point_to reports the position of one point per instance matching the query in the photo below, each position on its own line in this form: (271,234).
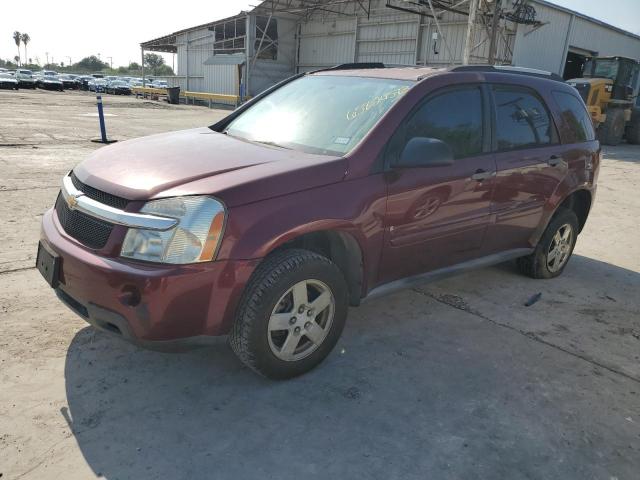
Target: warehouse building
(245,54)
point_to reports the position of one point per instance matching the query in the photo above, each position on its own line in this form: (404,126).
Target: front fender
(353,207)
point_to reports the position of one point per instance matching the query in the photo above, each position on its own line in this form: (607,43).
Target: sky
(113,30)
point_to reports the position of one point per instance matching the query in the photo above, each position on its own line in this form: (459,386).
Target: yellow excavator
(609,87)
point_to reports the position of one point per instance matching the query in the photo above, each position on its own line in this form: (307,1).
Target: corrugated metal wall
(265,73)
(546,47)
(326,43)
(399,38)
(394,38)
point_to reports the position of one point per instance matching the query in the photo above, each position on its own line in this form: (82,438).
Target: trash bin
(173,95)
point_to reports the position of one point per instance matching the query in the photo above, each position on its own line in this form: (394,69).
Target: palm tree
(17,38)
(25,39)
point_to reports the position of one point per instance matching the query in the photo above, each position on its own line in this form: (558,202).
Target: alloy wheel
(301,320)
(560,248)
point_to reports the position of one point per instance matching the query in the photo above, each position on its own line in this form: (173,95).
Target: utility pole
(110,62)
(494,32)
(47,54)
(144,80)
(69,58)
(473,6)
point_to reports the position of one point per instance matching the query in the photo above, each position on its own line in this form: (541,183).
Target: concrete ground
(455,380)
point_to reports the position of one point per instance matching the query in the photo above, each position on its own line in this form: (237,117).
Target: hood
(203,162)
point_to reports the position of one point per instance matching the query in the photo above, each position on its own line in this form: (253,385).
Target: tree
(134,66)
(17,37)
(17,60)
(25,39)
(153,61)
(91,64)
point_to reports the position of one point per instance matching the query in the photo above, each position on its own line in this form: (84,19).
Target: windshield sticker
(368,105)
(342,140)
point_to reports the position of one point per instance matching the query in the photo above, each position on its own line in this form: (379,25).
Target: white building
(253,50)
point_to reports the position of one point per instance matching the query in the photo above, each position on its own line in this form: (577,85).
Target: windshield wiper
(272,144)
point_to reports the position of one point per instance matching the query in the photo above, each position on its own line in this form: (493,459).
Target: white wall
(546,47)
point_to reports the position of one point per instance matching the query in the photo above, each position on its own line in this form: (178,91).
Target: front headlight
(195,238)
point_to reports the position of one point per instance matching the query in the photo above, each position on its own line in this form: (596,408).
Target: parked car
(97,85)
(159,84)
(49,82)
(119,87)
(327,189)
(84,81)
(8,81)
(69,82)
(25,78)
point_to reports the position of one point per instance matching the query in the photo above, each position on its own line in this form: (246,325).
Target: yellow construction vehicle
(609,87)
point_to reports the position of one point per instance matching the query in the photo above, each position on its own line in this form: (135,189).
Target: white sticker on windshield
(342,140)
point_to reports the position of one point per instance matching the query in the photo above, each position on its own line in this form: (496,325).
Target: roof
(397,73)
(167,43)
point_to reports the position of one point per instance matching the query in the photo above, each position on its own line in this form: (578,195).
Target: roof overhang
(222,59)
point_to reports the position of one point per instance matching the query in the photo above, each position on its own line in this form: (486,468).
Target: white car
(8,81)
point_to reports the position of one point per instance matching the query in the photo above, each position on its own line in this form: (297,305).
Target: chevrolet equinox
(329,188)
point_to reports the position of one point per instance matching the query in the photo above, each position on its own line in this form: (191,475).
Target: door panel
(438,215)
(529,163)
(523,185)
(435,217)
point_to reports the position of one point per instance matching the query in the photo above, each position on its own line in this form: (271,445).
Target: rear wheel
(612,129)
(554,249)
(291,314)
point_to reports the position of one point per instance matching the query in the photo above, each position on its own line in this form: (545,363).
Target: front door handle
(481,175)
(554,161)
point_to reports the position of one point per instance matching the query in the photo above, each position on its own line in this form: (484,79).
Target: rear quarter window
(576,118)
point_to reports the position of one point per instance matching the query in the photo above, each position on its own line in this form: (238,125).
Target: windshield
(603,68)
(319,114)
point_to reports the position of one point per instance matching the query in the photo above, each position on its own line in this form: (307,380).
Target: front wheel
(291,314)
(554,249)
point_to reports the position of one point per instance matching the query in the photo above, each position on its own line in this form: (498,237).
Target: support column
(473,4)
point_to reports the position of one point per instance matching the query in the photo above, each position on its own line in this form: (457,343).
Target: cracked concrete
(452,380)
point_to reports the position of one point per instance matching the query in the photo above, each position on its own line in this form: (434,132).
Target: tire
(540,264)
(612,130)
(633,130)
(269,296)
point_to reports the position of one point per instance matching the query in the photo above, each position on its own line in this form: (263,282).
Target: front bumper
(155,306)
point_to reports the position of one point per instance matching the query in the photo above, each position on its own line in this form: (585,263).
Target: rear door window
(576,117)
(455,117)
(522,120)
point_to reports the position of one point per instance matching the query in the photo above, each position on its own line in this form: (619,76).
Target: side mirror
(425,152)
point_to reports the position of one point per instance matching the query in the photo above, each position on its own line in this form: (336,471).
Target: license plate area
(48,264)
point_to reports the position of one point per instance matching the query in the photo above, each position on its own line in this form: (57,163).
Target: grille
(87,230)
(99,196)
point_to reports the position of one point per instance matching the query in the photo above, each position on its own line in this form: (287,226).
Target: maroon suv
(328,189)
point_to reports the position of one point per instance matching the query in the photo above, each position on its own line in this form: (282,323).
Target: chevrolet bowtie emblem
(72,200)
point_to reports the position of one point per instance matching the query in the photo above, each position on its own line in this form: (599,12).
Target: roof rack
(533,72)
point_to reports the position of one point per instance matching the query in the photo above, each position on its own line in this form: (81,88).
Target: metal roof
(167,43)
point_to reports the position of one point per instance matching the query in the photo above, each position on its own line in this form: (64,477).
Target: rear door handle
(481,175)
(554,161)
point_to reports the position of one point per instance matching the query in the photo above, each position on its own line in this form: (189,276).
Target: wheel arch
(339,246)
(580,202)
